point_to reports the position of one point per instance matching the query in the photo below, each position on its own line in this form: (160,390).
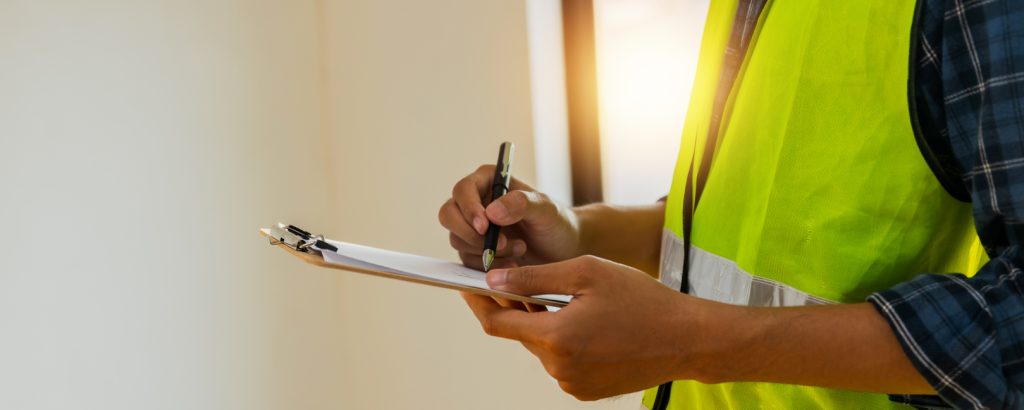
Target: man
(840,162)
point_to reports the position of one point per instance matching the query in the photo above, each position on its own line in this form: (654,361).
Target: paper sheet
(413,265)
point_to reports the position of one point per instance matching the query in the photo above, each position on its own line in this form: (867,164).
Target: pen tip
(488,259)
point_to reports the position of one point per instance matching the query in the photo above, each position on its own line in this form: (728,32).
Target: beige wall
(145,142)
(421,93)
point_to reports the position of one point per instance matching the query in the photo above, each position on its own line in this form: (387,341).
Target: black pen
(499,186)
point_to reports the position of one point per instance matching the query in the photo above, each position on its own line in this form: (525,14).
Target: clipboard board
(323,252)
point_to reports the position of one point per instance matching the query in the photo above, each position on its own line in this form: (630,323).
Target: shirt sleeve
(963,335)
(966,335)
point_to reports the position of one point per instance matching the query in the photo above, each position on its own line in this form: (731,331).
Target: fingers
(571,277)
(507,323)
(452,220)
(465,217)
(517,249)
(516,206)
(468,195)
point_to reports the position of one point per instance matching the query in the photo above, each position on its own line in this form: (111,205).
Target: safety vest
(817,191)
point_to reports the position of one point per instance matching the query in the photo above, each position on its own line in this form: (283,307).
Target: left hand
(622,332)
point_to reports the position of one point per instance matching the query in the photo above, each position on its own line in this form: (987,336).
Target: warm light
(646,60)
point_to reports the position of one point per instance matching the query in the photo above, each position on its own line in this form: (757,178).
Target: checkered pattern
(966,335)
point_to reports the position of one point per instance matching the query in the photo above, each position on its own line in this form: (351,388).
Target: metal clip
(298,239)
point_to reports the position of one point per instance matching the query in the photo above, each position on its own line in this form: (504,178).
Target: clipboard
(323,252)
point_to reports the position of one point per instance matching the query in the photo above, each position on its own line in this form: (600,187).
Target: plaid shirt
(966,335)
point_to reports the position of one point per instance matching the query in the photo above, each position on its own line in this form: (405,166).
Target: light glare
(646,60)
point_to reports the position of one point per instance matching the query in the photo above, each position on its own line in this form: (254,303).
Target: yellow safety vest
(816,192)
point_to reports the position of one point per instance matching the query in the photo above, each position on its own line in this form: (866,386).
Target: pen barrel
(499,186)
(491,237)
(497,191)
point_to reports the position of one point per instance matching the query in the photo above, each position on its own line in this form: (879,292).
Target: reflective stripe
(670,271)
(716,278)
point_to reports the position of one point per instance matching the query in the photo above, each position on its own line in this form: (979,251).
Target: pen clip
(505,162)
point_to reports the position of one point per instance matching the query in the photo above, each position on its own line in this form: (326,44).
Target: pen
(499,186)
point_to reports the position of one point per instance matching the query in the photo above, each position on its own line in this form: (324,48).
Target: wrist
(841,346)
(629,235)
(719,342)
(585,218)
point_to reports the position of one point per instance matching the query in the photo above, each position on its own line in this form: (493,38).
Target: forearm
(626,234)
(847,347)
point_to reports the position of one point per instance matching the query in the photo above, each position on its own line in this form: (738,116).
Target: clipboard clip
(298,239)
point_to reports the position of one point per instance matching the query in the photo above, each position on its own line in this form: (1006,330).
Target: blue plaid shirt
(966,335)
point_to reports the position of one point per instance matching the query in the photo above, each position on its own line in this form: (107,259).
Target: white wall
(143,145)
(145,142)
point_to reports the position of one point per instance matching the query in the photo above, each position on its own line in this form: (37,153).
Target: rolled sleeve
(964,335)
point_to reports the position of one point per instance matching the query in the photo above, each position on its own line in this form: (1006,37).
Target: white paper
(350,254)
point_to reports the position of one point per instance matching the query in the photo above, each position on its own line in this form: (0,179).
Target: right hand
(534,230)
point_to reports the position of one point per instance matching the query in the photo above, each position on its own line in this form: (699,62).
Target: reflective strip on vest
(716,278)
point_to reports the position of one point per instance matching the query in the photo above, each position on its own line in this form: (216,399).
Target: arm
(591,346)
(843,346)
(629,235)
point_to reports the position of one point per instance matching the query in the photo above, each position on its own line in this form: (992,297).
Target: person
(843,230)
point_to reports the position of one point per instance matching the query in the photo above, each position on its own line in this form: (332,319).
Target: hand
(622,332)
(535,229)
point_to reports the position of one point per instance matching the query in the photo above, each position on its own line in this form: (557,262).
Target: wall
(421,93)
(143,145)
(145,142)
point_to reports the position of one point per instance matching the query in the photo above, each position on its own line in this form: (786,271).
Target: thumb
(570,277)
(518,205)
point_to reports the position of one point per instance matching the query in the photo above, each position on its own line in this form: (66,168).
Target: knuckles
(588,261)
(563,352)
(458,185)
(581,391)
(485,169)
(440,212)
(444,213)
(582,268)
(561,346)
(559,372)
(488,326)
